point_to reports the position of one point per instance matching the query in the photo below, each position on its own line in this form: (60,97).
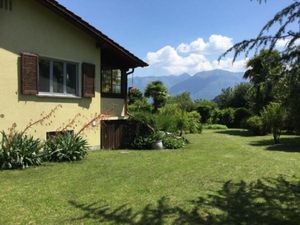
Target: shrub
(205,108)
(240,117)
(173,142)
(194,125)
(226,117)
(256,125)
(169,141)
(215,126)
(273,116)
(223,116)
(19,151)
(144,142)
(65,147)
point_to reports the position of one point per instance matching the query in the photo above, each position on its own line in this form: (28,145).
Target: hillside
(206,85)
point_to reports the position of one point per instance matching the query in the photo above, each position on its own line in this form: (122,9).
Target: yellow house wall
(30,27)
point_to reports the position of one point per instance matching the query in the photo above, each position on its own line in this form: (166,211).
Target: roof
(103,40)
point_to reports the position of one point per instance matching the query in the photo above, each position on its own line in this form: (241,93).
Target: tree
(183,101)
(158,92)
(134,95)
(273,117)
(264,72)
(236,97)
(284,26)
(205,108)
(224,99)
(281,23)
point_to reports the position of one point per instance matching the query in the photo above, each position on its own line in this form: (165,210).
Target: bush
(65,147)
(205,108)
(256,125)
(143,142)
(227,117)
(19,151)
(240,117)
(173,142)
(194,125)
(215,127)
(169,141)
(273,116)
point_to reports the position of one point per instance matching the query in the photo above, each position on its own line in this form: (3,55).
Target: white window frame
(64,94)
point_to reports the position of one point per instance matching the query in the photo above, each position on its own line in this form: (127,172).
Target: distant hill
(169,80)
(206,85)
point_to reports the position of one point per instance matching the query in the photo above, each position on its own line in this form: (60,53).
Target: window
(6,4)
(111,81)
(53,134)
(58,77)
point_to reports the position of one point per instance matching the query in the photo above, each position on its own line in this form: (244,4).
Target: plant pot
(158,145)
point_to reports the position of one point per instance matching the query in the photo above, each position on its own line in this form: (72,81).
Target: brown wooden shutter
(29,74)
(88,80)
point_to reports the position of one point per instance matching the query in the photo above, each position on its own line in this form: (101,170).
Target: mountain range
(202,85)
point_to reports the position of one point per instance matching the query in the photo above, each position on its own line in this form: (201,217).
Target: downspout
(126,100)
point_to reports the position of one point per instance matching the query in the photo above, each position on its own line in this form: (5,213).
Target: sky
(178,36)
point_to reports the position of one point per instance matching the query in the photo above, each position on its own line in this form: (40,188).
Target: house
(48,57)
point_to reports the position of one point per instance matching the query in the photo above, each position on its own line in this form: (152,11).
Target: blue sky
(178,36)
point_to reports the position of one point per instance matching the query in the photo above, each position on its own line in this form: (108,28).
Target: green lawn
(222,177)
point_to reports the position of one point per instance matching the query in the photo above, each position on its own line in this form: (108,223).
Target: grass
(222,177)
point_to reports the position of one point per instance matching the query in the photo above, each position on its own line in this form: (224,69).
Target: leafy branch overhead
(285,19)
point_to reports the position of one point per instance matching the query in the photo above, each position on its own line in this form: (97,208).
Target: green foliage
(169,141)
(235,97)
(273,118)
(264,73)
(194,125)
(134,95)
(158,92)
(205,108)
(143,142)
(170,119)
(293,98)
(240,117)
(139,106)
(173,142)
(224,116)
(65,147)
(278,28)
(215,127)
(173,119)
(183,101)
(256,125)
(19,151)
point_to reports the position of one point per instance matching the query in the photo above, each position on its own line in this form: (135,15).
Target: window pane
(44,75)
(71,78)
(106,81)
(116,81)
(58,77)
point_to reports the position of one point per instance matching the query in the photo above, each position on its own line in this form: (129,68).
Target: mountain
(169,81)
(206,85)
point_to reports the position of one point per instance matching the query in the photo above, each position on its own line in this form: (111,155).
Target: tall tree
(158,92)
(134,95)
(264,72)
(183,101)
(282,24)
(236,97)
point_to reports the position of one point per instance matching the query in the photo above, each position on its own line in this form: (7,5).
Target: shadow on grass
(242,133)
(264,202)
(287,144)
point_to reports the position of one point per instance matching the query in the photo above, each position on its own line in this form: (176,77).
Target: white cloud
(195,57)
(282,43)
